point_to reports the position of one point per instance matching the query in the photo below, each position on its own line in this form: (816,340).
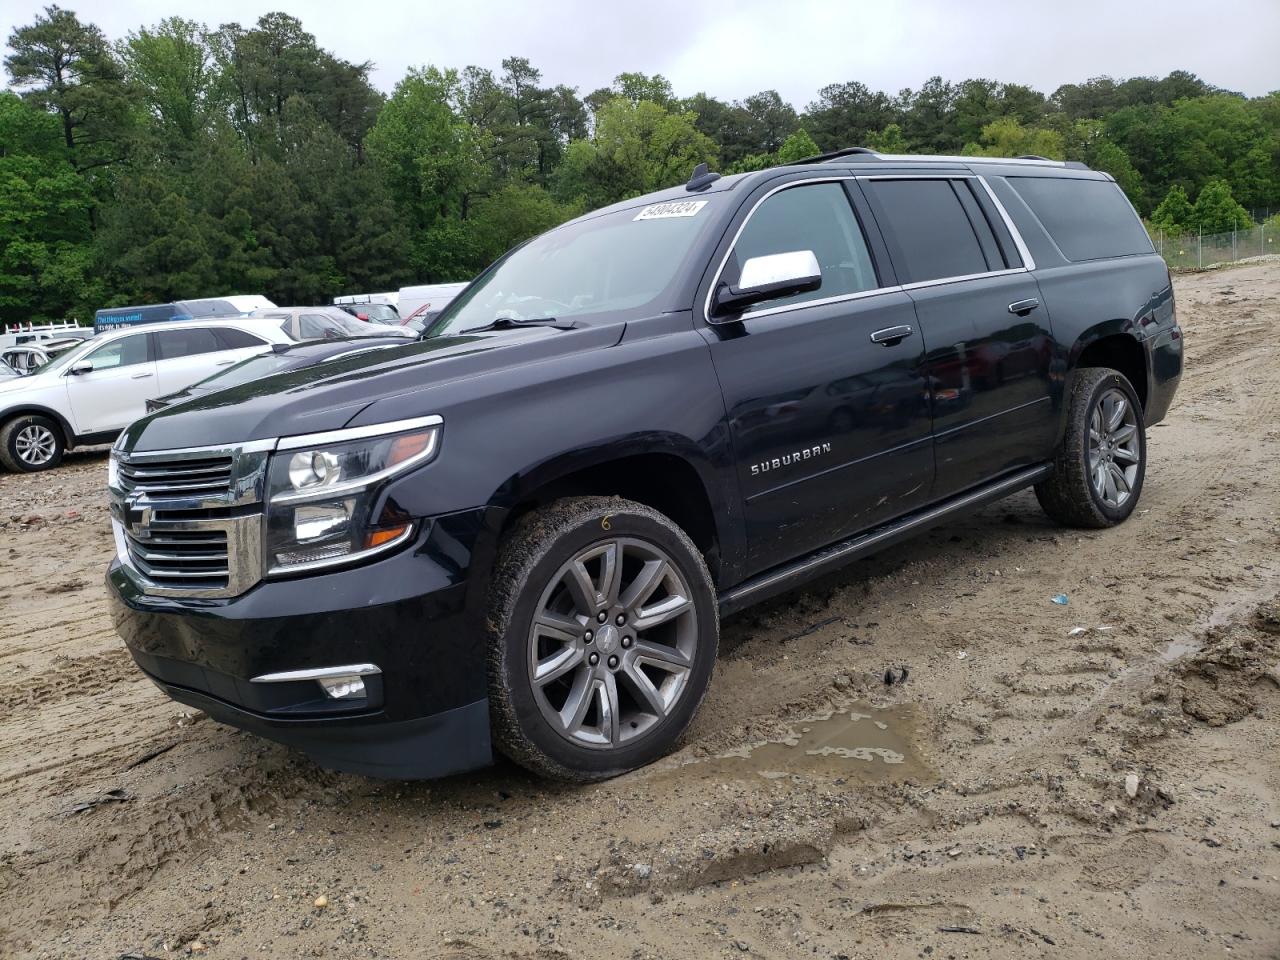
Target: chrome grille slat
(188,522)
(148,472)
(178,478)
(177,560)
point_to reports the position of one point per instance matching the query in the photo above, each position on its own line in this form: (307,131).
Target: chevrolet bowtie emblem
(137,519)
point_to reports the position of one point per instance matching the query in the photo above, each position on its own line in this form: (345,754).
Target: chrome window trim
(942,281)
(1028,262)
(724,261)
(319,673)
(346,558)
(299,441)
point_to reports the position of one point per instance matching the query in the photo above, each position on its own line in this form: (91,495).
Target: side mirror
(84,366)
(765,278)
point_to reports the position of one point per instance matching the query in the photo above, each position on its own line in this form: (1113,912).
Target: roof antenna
(701,179)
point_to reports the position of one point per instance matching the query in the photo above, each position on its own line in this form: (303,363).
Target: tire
(1097,484)
(536,724)
(31,443)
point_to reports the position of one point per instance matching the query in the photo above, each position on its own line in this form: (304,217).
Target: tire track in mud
(66,678)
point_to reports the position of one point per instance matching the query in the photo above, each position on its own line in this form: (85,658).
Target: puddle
(854,742)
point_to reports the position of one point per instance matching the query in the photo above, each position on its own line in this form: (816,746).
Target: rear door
(990,344)
(115,392)
(830,428)
(186,355)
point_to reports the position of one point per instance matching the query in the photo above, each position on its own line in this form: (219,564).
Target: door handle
(891,336)
(1023,307)
(139,376)
(224,363)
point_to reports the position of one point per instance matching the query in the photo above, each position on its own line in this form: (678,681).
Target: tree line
(181,161)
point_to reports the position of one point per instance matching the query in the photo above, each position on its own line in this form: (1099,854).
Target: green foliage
(185,161)
(798,146)
(1175,213)
(1216,211)
(636,148)
(45,255)
(66,67)
(889,140)
(1007,137)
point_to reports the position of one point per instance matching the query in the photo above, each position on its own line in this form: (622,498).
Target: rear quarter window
(1088,219)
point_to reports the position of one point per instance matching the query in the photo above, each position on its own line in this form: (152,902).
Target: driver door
(115,392)
(829,412)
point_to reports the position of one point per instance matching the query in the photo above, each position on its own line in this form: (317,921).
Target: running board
(791,575)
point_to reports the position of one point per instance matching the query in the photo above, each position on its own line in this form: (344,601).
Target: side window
(815,217)
(172,344)
(929,234)
(124,352)
(1089,219)
(316,326)
(233,338)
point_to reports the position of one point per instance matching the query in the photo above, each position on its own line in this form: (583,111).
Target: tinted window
(818,218)
(234,339)
(607,263)
(928,232)
(1089,219)
(317,326)
(120,353)
(172,344)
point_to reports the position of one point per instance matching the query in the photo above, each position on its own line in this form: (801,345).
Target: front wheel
(30,443)
(1100,466)
(602,638)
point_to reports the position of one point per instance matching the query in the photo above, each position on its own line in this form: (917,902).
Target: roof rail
(836,155)
(701,179)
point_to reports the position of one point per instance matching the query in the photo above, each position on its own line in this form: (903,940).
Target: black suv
(524,529)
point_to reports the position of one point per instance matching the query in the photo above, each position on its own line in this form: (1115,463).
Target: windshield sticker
(681,208)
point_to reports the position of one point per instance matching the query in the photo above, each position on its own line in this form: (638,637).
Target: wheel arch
(664,473)
(1113,344)
(36,410)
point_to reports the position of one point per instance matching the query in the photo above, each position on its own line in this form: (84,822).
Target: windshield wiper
(511,323)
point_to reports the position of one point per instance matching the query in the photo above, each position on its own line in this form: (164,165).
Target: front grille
(181,559)
(188,522)
(177,478)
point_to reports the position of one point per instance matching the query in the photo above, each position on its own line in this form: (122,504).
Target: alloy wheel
(1114,449)
(35,445)
(612,643)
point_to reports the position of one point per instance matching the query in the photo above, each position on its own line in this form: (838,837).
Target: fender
(1130,328)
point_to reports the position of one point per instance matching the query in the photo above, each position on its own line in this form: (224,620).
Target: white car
(92,392)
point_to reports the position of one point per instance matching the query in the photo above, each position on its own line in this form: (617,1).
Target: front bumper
(417,614)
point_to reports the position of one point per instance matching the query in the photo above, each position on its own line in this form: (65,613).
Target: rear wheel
(603,633)
(1101,464)
(30,443)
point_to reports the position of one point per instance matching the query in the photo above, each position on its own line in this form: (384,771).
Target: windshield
(58,362)
(616,262)
(7,371)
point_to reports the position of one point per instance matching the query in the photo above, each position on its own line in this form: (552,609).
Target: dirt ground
(1097,779)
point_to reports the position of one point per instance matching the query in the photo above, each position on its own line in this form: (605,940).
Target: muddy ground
(1097,779)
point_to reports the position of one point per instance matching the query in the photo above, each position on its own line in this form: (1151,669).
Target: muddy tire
(30,443)
(602,633)
(1100,466)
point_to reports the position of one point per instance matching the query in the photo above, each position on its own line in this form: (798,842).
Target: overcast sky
(733,49)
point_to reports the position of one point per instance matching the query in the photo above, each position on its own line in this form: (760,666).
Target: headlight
(321,491)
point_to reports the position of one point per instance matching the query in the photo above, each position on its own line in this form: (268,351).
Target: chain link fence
(1195,251)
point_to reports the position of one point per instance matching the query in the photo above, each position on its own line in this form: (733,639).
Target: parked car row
(58,393)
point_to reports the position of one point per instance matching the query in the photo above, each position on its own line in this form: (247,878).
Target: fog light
(342,688)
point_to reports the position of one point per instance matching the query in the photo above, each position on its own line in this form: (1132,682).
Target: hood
(327,396)
(10,385)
